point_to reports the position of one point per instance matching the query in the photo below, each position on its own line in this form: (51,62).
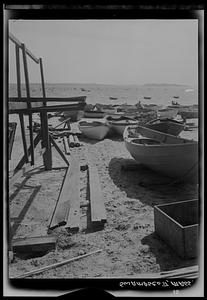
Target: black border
(76,12)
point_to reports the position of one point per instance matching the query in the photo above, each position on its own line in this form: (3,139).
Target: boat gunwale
(162,144)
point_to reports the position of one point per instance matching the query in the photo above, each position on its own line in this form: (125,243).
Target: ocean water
(99,93)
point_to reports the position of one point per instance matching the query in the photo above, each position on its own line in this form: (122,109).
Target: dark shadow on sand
(147,186)
(162,252)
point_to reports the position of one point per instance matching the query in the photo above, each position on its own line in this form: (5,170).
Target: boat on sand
(167,113)
(94,129)
(169,126)
(166,154)
(118,124)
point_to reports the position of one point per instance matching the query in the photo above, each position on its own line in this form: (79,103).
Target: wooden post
(28,103)
(47,156)
(21,117)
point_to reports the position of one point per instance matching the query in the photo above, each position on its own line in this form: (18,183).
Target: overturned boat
(94,129)
(163,153)
(166,125)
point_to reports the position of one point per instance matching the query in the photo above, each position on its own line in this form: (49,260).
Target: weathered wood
(73,220)
(21,117)
(57,264)
(28,103)
(71,141)
(98,212)
(66,146)
(23,159)
(63,122)
(78,99)
(19,44)
(58,149)
(12,131)
(76,141)
(65,199)
(47,155)
(51,108)
(34,244)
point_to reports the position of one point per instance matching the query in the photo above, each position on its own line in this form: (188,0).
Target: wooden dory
(167,113)
(169,126)
(119,124)
(94,130)
(163,153)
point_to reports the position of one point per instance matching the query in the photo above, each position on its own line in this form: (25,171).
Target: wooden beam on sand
(34,244)
(76,141)
(73,220)
(66,146)
(98,211)
(68,198)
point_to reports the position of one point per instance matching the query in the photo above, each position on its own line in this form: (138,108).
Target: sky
(109,51)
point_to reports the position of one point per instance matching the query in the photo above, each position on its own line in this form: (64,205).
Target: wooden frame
(28,105)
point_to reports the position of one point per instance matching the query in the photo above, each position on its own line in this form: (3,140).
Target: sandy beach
(130,247)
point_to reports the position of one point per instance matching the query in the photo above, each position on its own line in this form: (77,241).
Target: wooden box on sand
(177,225)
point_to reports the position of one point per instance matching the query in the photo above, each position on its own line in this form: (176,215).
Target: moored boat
(94,130)
(163,153)
(169,126)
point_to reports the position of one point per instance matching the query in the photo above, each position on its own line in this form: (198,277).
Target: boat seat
(145,141)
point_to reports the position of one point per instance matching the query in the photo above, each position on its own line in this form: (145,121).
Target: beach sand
(129,242)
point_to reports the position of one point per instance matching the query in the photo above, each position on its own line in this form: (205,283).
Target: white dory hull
(163,153)
(93,130)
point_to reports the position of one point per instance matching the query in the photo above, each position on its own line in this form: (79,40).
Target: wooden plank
(77,99)
(51,108)
(73,220)
(71,141)
(19,44)
(76,141)
(58,149)
(61,211)
(34,244)
(98,212)
(63,122)
(56,264)
(66,146)
(21,117)
(23,159)
(28,102)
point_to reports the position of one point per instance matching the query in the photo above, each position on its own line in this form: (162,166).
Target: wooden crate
(177,224)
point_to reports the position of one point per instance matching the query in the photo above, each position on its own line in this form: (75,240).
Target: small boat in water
(168,126)
(119,124)
(147,98)
(167,113)
(113,98)
(166,154)
(94,129)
